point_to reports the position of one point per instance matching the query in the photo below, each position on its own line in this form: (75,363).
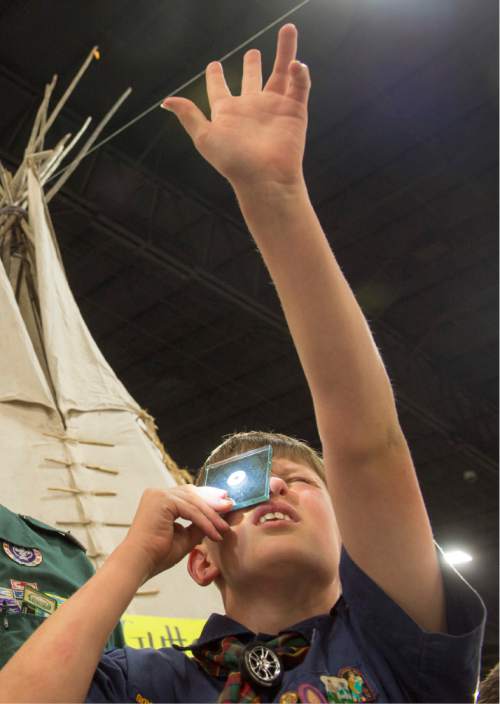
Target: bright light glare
(237,478)
(457,557)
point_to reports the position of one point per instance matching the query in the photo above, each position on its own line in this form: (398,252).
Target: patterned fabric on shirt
(224,656)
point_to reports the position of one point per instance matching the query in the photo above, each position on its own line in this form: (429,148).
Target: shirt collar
(219,626)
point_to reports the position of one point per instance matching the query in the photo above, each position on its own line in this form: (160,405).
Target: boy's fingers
(252,72)
(206,490)
(187,537)
(208,508)
(299,83)
(216,83)
(188,114)
(195,515)
(211,494)
(286,52)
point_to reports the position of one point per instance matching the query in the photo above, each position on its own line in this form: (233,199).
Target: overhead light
(457,557)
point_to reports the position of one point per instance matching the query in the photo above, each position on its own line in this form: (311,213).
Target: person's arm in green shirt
(57,663)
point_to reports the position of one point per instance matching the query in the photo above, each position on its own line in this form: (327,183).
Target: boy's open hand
(161,542)
(257,137)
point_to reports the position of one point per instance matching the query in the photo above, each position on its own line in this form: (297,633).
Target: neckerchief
(224,656)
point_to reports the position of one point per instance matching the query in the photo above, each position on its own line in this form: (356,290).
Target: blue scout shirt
(365,649)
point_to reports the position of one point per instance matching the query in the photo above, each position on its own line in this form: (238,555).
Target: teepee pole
(72,166)
(64,98)
(7,225)
(6,181)
(56,153)
(41,116)
(35,161)
(48,173)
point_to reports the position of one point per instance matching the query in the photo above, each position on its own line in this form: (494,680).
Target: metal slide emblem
(261,665)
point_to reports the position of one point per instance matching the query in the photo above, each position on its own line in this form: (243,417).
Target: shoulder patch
(27,556)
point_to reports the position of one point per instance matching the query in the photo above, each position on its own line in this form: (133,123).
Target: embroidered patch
(142,700)
(29,557)
(359,687)
(311,695)
(337,689)
(59,599)
(8,602)
(289,698)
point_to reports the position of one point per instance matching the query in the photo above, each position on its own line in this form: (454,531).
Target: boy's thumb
(188,114)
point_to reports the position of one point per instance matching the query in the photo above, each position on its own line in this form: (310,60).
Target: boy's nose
(277,486)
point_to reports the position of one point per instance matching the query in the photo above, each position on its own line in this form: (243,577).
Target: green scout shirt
(31,551)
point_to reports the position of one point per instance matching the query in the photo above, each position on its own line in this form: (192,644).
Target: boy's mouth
(275,512)
(276,516)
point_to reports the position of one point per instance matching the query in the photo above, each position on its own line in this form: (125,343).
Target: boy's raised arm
(256,140)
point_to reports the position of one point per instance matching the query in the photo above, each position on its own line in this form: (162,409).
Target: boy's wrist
(270,191)
(268,203)
(132,560)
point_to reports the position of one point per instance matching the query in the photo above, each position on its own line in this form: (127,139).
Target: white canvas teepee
(77,450)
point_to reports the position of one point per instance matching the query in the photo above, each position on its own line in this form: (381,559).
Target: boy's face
(306,538)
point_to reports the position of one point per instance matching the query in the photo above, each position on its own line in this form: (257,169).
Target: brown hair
(283,446)
(488,689)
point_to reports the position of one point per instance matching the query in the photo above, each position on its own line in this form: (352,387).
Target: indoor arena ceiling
(402,165)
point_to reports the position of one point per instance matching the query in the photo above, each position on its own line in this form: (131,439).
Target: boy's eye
(301,479)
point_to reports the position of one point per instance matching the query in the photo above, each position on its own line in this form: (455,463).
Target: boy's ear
(201,567)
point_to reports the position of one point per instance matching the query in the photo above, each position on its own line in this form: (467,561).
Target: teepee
(77,449)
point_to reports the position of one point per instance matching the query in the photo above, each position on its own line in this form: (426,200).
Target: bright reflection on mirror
(237,478)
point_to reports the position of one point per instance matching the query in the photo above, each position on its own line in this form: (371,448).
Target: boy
(406,628)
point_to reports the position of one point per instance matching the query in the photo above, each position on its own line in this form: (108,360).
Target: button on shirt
(365,634)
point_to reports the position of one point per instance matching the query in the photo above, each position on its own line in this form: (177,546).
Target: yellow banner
(160,632)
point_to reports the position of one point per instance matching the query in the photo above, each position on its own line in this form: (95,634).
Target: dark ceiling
(402,165)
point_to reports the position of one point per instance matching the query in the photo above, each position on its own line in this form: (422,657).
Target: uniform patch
(6,592)
(337,689)
(18,588)
(18,584)
(361,691)
(142,700)
(29,557)
(59,599)
(311,695)
(8,602)
(289,698)
(41,603)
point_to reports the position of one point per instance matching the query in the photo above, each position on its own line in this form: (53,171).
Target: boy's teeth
(273,516)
